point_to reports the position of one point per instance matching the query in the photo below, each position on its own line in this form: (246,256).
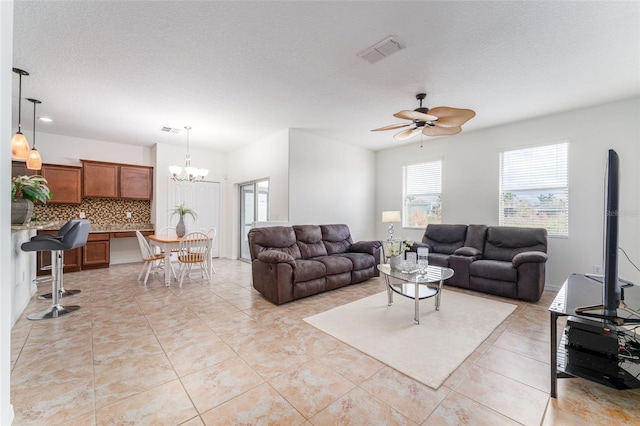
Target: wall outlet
(82,215)
(597,269)
(128,215)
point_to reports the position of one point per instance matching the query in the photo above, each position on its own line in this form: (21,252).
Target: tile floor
(219,354)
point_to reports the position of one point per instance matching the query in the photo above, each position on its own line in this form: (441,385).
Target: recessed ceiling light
(46,119)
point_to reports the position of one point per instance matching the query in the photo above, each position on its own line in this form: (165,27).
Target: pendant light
(19,143)
(187,172)
(34,162)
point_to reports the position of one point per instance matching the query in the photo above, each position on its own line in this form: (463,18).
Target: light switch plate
(128,215)
(81,215)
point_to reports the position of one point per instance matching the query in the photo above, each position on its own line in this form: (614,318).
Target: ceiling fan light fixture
(437,121)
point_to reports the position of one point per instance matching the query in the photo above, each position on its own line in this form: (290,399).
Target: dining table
(167,243)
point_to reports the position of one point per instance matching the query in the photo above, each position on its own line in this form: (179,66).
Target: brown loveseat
(503,260)
(291,262)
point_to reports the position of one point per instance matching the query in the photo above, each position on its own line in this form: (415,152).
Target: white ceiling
(238,71)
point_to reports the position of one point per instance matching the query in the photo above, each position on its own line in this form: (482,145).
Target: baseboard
(548,287)
(123,261)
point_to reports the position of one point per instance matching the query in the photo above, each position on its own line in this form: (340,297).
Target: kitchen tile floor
(219,354)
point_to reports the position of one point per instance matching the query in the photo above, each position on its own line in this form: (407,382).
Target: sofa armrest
(467,251)
(275,256)
(529,257)
(368,247)
(418,244)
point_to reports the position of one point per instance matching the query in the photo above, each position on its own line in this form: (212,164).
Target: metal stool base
(62,293)
(54,311)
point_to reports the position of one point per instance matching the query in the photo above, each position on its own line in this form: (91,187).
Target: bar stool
(62,292)
(75,236)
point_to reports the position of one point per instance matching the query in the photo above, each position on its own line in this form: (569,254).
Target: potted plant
(25,191)
(182,210)
(394,250)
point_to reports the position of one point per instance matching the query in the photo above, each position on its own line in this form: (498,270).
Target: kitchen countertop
(95,227)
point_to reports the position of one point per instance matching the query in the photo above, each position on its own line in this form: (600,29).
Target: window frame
(547,203)
(405,195)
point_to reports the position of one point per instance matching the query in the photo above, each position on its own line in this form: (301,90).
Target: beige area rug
(428,352)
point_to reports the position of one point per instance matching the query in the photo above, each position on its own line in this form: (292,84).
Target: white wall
(68,150)
(470,180)
(6,79)
(265,158)
(331,182)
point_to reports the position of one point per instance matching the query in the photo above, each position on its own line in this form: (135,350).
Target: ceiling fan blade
(441,131)
(392,126)
(406,134)
(452,117)
(414,115)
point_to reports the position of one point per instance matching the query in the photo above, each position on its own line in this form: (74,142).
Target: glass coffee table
(413,283)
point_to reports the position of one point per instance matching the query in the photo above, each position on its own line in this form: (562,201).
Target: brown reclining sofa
(291,262)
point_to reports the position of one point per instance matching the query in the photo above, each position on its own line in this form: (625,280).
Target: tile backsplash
(97,210)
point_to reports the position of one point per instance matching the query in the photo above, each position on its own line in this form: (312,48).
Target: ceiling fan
(438,121)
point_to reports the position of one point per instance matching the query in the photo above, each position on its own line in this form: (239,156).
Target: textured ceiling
(238,71)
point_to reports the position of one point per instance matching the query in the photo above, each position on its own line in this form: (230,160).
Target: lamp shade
(391,216)
(19,147)
(34,161)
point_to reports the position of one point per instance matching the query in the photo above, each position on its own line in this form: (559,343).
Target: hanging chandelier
(19,143)
(187,172)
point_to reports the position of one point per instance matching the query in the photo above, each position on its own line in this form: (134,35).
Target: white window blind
(422,194)
(534,188)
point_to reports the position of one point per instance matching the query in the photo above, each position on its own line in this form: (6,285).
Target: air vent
(381,50)
(170,130)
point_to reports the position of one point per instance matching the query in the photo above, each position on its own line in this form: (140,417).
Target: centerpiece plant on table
(182,210)
(394,250)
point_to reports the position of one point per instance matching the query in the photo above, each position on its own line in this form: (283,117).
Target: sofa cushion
(310,241)
(439,259)
(494,269)
(337,238)
(335,264)
(444,239)
(307,270)
(504,242)
(358,260)
(281,238)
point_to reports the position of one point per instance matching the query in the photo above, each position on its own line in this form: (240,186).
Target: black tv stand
(590,355)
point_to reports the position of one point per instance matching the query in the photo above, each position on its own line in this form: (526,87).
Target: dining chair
(195,249)
(212,232)
(151,258)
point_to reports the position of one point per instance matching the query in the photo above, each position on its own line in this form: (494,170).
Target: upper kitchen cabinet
(64,182)
(114,180)
(19,168)
(100,180)
(136,182)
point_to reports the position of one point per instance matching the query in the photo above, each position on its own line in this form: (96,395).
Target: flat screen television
(611,289)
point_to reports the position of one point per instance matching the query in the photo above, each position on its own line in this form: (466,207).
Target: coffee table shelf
(424,285)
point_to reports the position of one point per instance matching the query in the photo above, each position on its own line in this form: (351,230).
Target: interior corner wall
(264,158)
(332,182)
(6,85)
(470,180)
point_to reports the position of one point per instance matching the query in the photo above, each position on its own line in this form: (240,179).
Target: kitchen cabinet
(99,180)
(19,168)
(64,182)
(136,182)
(72,258)
(115,180)
(95,254)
